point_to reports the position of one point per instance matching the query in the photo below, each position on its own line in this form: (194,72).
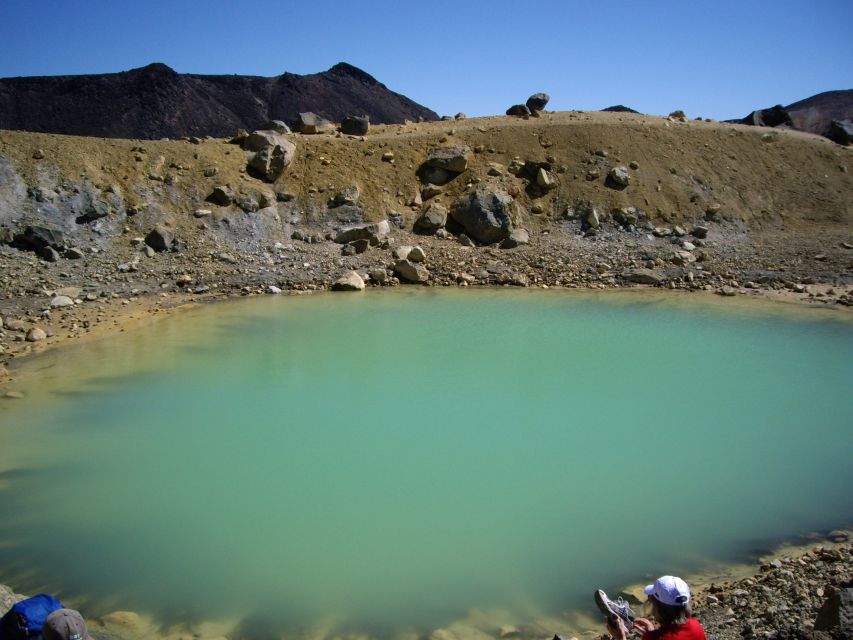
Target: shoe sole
(600,597)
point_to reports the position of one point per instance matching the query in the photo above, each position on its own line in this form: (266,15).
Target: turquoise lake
(393,459)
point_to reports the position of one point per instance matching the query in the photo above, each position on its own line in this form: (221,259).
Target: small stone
(201,213)
(61,301)
(14,395)
(417,254)
(634,165)
(388,156)
(73,254)
(618,178)
(700,231)
(727,291)
(35,334)
(545,180)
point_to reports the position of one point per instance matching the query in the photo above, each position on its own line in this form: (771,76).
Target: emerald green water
(392,460)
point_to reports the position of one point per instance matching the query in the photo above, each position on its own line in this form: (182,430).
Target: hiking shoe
(615,608)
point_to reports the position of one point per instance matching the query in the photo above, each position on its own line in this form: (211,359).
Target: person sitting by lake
(668,604)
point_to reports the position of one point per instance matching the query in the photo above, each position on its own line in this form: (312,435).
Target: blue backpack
(25,620)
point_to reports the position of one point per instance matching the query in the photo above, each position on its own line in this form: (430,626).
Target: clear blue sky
(713,59)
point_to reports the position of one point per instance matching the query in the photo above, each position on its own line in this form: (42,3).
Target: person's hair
(670,613)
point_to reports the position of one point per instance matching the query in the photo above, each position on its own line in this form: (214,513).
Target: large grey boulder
(375,232)
(836,613)
(537,102)
(618,178)
(434,218)
(411,271)
(159,238)
(350,281)
(454,159)
(355,125)
(37,237)
(310,123)
(272,153)
(485,215)
(642,276)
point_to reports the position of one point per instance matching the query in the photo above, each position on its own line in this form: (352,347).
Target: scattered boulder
(159,239)
(453,159)
(374,232)
(773,117)
(416,254)
(434,218)
(841,131)
(350,281)
(61,301)
(411,271)
(436,176)
(356,246)
(517,237)
(642,276)
(589,215)
(836,613)
(518,110)
(269,163)
(36,237)
(537,102)
(49,254)
(276,125)
(485,215)
(355,125)
(700,231)
(545,180)
(618,178)
(350,196)
(310,123)
(35,335)
(223,195)
(73,253)
(402,252)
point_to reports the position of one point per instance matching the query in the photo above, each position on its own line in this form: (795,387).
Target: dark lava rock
(486,216)
(537,101)
(841,131)
(159,239)
(771,117)
(36,237)
(355,125)
(155,102)
(519,110)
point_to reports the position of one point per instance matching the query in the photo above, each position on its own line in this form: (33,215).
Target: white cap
(669,590)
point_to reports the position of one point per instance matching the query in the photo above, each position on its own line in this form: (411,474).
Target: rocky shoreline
(802,592)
